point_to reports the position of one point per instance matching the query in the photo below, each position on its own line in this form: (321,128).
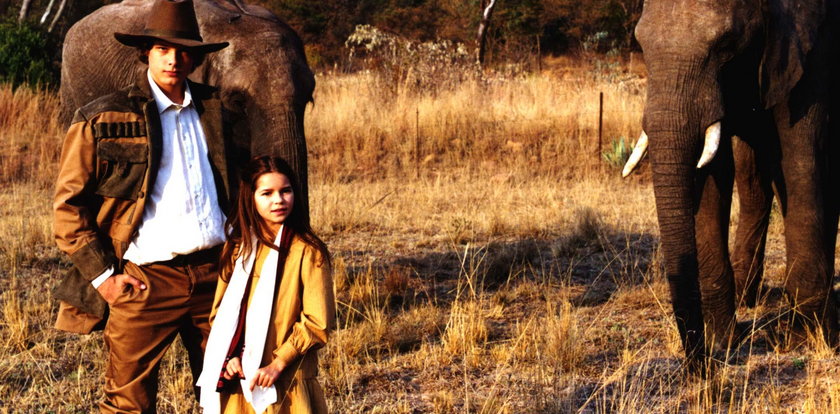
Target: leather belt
(195,258)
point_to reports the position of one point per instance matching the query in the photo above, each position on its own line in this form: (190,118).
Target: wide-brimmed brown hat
(172,21)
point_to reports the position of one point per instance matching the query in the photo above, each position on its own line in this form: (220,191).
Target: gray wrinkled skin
(762,68)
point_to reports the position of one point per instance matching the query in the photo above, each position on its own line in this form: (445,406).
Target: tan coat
(302,316)
(108,163)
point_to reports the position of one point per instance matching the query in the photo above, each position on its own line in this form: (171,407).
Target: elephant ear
(792,28)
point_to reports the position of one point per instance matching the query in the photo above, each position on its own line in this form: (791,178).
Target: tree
(482,30)
(567,23)
(58,14)
(54,18)
(24,10)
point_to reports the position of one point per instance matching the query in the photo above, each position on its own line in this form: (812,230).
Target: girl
(274,304)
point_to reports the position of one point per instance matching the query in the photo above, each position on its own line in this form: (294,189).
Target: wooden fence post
(417,143)
(600,126)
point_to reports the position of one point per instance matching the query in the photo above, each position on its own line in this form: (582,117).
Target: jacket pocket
(122,167)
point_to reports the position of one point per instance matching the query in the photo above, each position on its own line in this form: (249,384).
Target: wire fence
(591,130)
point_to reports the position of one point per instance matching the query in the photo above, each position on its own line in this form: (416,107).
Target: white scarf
(224,327)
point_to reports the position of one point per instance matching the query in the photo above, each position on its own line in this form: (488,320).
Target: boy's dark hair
(143,50)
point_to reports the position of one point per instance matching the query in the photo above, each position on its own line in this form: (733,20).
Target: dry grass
(360,127)
(499,269)
(29,131)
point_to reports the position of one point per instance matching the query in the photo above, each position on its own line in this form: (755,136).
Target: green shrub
(26,55)
(618,153)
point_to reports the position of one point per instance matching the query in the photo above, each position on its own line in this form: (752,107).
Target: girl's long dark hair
(244,223)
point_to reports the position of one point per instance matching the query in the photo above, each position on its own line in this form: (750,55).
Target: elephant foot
(718,300)
(697,366)
(801,330)
(746,336)
(703,367)
(723,336)
(747,292)
(787,339)
(721,332)
(741,333)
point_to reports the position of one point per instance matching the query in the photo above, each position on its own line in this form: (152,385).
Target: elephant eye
(236,101)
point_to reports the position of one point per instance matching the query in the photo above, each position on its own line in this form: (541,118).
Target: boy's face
(169,65)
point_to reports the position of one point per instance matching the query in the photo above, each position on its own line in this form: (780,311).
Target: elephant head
(697,53)
(263,75)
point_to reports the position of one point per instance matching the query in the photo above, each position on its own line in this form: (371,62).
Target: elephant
(264,80)
(759,70)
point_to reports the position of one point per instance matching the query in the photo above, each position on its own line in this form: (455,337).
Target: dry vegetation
(486,260)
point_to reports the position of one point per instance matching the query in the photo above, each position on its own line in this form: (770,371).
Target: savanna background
(488,257)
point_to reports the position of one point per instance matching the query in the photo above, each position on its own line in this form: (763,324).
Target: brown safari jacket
(109,162)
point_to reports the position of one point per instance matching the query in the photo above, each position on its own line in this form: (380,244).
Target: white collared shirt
(182,214)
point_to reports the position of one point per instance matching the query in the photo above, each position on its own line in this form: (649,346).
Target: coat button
(141,194)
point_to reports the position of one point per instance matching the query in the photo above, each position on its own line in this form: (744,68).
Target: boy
(140,207)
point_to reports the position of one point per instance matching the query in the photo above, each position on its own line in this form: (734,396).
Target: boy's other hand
(116,285)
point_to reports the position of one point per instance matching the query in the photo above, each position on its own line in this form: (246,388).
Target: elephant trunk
(683,102)
(281,134)
(268,89)
(673,165)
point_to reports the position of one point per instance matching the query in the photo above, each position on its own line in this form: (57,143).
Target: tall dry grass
(485,261)
(29,136)
(363,127)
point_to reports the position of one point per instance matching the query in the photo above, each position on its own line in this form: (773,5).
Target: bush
(26,55)
(618,153)
(422,65)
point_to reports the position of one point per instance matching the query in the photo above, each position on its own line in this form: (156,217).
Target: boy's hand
(233,369)
(267,375)
(117,285)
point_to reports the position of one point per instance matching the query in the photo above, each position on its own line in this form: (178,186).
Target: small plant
(800,363)
(618,153)
(467,329)
(460,230)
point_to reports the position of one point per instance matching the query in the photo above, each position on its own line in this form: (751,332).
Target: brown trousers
(142,325)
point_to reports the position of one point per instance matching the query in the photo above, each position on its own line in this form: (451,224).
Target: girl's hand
(233,369)
(267,375)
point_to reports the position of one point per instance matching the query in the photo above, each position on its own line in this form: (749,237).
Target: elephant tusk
(711,145)
(639,152)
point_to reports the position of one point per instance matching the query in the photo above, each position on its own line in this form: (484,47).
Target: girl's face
(274,199)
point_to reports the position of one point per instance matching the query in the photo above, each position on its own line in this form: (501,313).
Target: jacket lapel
(153,128)
(141,93)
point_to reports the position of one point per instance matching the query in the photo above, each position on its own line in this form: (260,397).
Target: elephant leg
(753,178)
(832,171)
(717,285)
(809,272)
(832,209)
